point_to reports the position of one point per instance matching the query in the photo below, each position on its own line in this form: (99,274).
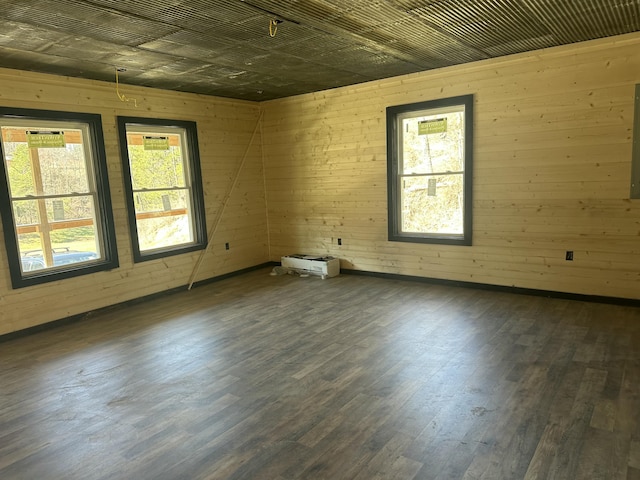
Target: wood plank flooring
(274,378)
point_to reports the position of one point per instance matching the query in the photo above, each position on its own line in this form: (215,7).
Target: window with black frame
(56,205)
(430,160)
(162,177)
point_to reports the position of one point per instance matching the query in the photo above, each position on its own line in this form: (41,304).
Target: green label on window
(45,139)
(432,126)
(155,143)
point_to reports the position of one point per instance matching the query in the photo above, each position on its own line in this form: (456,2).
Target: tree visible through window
(161,163)
(429,151)
(57,214)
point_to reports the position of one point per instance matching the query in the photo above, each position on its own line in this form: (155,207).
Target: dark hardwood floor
(261,377)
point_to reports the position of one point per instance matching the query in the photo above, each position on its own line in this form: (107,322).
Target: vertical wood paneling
(225,128)
(552,167)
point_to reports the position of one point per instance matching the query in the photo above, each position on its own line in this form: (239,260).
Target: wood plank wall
(225,128)
(552,172)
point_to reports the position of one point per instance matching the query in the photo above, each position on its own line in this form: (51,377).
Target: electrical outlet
(569,256)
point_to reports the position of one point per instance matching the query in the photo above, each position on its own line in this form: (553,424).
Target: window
(55,201)
(163,183)
(429,171)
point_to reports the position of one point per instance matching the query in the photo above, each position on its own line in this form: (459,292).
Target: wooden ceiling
(266,49)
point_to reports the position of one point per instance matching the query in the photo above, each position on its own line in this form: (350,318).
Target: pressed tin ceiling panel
(495,27)
(227,48)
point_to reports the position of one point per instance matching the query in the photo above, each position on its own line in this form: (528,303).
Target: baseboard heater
(312,264)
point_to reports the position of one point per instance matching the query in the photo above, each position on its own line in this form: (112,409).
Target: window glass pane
(433,204)
(163,219)
(153,165)
(163,183)
(25,213)
(19,167)
(58,169)
(162,232)
(433,143)
(76,239)
(68,228)
(34,260)
(55,214)
(430,171)
(63,170)
(77,209)
(163,202)
(58,172)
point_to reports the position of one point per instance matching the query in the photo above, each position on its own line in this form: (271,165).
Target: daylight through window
(430,158)
(57,215)
(164,187)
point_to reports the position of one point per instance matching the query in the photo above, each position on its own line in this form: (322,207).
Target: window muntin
(57,211)
(430,159)
(163,184)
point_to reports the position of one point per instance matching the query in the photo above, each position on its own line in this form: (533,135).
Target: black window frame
(393,191)
(195,182)
(105,225)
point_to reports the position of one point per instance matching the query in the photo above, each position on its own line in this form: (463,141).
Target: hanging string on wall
(273,26)
(121,96)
